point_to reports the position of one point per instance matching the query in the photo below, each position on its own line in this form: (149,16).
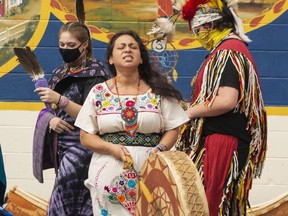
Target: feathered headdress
(207,11)
(214,12)
(164,27)
(80,11)
(189,9)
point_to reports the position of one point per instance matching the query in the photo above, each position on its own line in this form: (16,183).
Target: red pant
(217,159)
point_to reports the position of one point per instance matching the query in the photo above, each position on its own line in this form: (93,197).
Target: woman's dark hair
(81,32)
(153,78)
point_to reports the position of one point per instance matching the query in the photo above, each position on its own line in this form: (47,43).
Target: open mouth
(128,57)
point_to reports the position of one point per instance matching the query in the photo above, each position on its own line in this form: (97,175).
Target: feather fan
(32,66)
(29,62)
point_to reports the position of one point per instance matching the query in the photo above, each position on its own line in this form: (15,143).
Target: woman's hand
(154,150)
(47,95)
(59,126)
(119,152)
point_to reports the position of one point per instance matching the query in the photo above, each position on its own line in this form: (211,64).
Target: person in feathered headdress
(228,131)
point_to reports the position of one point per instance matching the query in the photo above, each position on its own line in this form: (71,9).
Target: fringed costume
(204,137)
(228,148)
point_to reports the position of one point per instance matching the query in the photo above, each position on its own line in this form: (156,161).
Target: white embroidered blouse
(101,112)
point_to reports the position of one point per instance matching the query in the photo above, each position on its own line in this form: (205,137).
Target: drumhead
(175,185)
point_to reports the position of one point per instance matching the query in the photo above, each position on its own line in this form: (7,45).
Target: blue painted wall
(269,47)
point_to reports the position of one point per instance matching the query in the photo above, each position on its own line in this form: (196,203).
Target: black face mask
(70,55)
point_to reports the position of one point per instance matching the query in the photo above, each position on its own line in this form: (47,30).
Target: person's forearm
(98,145)
(72,109)
(94,143)
(225,101)
(169,138)
(202,110)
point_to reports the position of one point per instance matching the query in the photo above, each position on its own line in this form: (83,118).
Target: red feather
(190,8)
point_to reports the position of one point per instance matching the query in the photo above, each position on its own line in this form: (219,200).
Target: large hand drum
(23,203)
(175,185)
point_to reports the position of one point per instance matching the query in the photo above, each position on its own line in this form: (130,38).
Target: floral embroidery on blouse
(106,101)
(122,190)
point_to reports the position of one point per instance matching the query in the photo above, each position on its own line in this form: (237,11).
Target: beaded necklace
(81,66)
(129,114)
(75,71)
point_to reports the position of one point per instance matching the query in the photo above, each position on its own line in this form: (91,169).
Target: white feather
(163,28)
(239,27)
(178,4)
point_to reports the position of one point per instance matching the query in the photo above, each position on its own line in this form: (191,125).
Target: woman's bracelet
(59,100)
(161,147)
(64,101)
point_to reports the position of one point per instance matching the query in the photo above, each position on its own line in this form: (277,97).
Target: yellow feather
(175,75)
(216,4)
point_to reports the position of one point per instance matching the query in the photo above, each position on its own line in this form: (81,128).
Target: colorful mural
(35,23)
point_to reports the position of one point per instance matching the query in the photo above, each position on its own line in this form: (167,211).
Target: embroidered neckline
(118,95)
(129,114)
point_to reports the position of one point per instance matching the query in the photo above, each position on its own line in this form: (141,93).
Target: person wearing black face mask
(70,55)
(55,132)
